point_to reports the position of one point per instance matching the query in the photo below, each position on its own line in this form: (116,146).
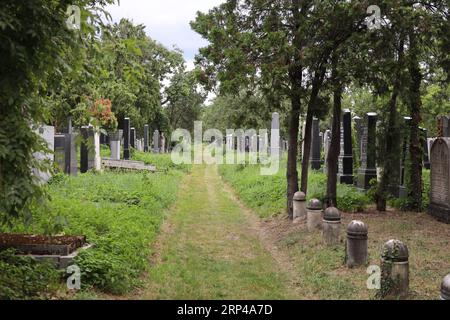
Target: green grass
(267,194)
(119,212)
(210,250)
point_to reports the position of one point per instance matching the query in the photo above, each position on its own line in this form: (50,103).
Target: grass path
(212,247)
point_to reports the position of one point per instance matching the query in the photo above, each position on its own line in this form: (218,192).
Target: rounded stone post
(331,226)
(314,215)
(445,288)
(299,203)
(356,247)
(394,270)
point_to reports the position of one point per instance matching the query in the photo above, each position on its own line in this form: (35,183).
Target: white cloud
(166,21)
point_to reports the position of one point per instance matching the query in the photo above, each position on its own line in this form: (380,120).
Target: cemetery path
(212,247)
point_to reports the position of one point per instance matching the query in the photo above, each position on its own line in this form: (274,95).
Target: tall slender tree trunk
(392,146)
(317,84)
(335,145)
(415,148)
(292,173)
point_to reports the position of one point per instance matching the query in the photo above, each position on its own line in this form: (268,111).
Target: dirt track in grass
(212,247)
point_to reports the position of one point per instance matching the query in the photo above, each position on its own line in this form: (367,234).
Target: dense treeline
(318,57)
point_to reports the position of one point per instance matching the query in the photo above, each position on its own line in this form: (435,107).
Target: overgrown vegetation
(119,212)
(267,194)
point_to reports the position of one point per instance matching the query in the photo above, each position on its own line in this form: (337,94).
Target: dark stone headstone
(358,127)
(87,152)
(133,138)
(126,138)
(426,157)
(146,137)
(346,157)
(368,169)
(66,153)
(446,126)
(315,145)
(60,152)
(440,180)
(406,130)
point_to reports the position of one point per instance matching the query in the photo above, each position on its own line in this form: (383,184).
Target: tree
(268,46)
(33,38)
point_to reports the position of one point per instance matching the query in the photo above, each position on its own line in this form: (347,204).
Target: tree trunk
(392,146)
(317,84)
(306,149)
(415,148)
(335,145)
(291,172)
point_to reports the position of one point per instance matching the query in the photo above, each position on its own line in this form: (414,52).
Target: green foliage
(267,194)
(34,43)
(120,213)
(22,278)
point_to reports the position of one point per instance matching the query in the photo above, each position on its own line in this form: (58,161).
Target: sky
(167,21)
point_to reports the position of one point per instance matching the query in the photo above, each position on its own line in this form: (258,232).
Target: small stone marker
(88,149)
(331,226)
(368,170)
(356,247)
(314,215)
(346,157)
(315,145)
(395,270)
(146,137)
(299,204)
(445,288)
(126,139)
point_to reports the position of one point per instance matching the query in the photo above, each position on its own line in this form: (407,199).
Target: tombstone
(114,143)
(133,138)
(440,180)
(358,128)
(403,192)
(315,145)
(66,153)
(47,133)
(426,151)
(162,143)
(97,155)
(345,174)
(146,137)
(230,142)
(275,135)
(368,169)
(87,149)
(303,138)
(126,139)
(156,141)
(326,148)
(445,126)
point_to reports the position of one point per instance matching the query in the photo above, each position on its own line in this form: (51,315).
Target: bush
(267,194)
(119,212)
(23,278)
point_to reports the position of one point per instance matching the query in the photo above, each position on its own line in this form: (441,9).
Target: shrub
(23,278)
